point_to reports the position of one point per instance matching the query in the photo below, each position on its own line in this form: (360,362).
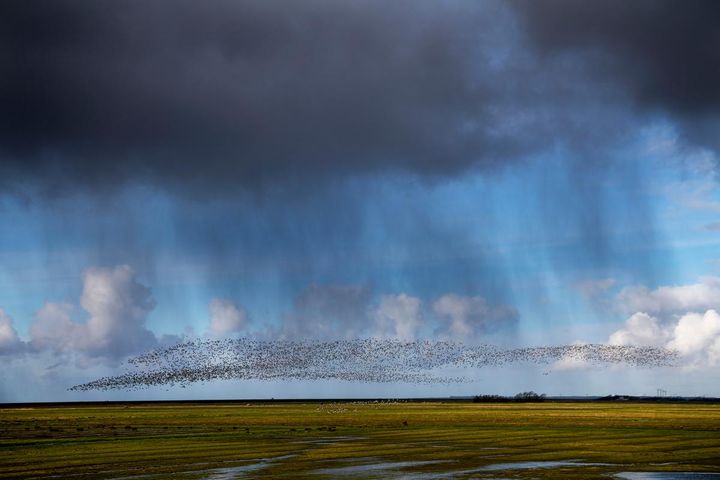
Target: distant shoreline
(455,399)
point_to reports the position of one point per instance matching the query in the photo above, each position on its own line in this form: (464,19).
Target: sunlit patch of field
(358,440)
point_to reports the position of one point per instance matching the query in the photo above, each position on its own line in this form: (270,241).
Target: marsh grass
(164,440)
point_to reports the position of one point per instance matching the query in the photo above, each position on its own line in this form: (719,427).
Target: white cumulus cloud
(466,317)
(351,311)
(697,333)
(595,287)
(640,329)
(117,307)
(674,299)
(680,317)
(54,329)
(226,317)
(9,341)
(398,316)
(695,336)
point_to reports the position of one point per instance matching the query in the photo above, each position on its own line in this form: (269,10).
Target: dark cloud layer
(214,96)
(235,92)
(668,52)
(665,53)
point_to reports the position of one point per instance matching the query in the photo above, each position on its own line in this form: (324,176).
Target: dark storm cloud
(212,96)
(232,94)
(665,53)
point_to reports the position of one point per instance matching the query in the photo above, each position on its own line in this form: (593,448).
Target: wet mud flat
(376,468)
(393,440)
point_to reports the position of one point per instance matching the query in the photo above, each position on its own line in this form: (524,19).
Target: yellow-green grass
(116,441)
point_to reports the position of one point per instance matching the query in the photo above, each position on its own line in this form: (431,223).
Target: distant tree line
(523,397)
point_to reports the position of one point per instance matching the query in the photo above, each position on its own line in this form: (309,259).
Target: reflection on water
(352,470)
(374,467)
(232,473)
(533,465)
(667,476)
(389,469)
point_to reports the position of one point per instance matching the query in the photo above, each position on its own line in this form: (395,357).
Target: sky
(518,173)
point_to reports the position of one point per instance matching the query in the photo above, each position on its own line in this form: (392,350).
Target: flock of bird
(360,360)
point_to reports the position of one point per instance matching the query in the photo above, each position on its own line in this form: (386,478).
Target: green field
(357,440)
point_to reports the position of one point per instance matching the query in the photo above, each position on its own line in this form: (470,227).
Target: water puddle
(426,476)
(129,477)
(390,469)
(379,467)
(232,473)
(667,476)
(537,465)
(438,476)
(328,440)
(224,473)
(497,467)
